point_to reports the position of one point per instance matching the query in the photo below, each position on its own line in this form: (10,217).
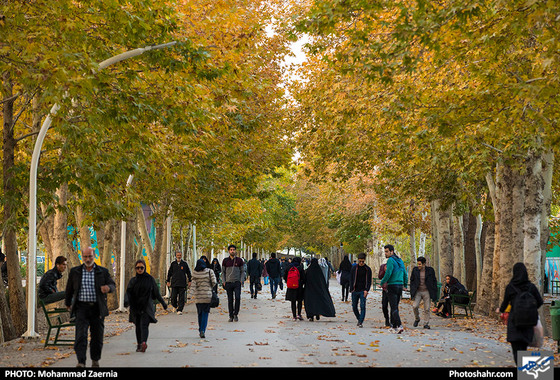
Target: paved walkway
(266,336)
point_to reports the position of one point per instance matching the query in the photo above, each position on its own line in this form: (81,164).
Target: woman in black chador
(317,300)
(140,293)
(519,336)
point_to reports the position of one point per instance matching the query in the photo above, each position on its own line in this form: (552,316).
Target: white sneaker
(399,329)
(179,312)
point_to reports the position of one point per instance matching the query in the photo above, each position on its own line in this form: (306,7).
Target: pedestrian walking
(524,298)
(294,277)
(48,290)
(141,292)
(86,298)
(395,279)
(284,266)
(233,272)
(217,268)
(265,274)
(384,296)
(360,283)
(344,269)
(274,272)
(203,280)
(324,265)
(317,299)
(177,276)
(423,288)
(254,269)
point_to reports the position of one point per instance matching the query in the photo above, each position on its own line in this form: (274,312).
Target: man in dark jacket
(177,280)
(48,291)
(423,288)
(86,298)
(233,270)
(360,283)
(254,269)
(274,272)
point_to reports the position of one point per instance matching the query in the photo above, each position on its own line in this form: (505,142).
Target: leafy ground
(32,353)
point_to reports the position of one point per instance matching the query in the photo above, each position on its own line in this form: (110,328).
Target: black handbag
(215,301)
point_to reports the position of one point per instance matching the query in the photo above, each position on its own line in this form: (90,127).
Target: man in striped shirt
(86,297)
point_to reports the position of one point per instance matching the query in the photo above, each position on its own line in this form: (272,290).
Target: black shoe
(427,326)
(416,322)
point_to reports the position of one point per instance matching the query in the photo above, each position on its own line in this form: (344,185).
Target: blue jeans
(361,313)
(394,293)
(274,281)
(203,309)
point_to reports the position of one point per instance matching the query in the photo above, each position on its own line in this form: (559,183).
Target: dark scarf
(520,277)
(200,265)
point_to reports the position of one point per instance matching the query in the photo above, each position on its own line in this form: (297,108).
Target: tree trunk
(158,247)
(84,232)
(458,249)
(547,167)
(435,240)
(445,244)
(7,328)
(478,249)
(494,187)
(10,200)
(532,219)
(471,264)
(484,297)
(412,242)
(517,206)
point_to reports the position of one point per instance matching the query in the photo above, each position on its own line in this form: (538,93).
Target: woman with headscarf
(142,289)
(344,269)
(317,299)
(519,336)
(215,266)
(203,280)
(295,292)
(452,286)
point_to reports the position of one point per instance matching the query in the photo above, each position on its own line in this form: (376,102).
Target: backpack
(293,278)
(524,309)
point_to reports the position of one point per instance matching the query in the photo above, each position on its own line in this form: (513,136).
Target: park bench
(458,300)
(57,318)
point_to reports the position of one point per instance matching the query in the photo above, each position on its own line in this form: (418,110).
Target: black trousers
(233,290)
(385,305)
(142,323)
(394,293)
(254,283)
(297,305)
(88,319)
(54,297)
(178,297)
(516,347)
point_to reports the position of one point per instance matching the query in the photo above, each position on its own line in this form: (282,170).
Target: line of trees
(446,106)
(196,125)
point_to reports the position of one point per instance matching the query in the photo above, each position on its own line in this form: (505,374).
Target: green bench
(57,319)
(458,300)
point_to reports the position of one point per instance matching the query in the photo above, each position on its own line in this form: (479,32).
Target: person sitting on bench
(48,291)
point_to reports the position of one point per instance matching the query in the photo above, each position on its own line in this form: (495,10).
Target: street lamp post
(32,243)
